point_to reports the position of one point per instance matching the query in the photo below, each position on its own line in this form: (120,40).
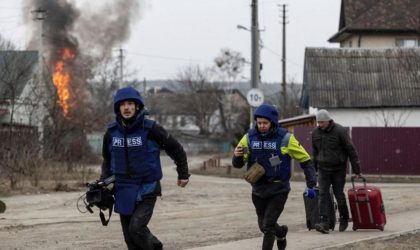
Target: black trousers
(268,211)
(336,179)
(137,235)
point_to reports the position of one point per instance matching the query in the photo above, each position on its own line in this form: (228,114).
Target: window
(183,122)
(407,43)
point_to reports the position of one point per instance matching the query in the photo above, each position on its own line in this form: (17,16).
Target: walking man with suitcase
(332,147)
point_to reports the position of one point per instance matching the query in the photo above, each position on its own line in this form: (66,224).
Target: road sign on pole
(255,97)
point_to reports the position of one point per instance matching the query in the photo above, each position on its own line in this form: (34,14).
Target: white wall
(374,41)
(23,110)
(387,117)
(30,109)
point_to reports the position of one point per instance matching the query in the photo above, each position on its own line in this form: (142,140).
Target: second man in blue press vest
(273,148)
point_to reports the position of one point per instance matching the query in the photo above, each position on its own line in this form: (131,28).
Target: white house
(364,87)
(23,97)
(17,70)
(378,24)
(373,80)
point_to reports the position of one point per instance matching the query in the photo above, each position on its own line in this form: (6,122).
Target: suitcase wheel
(354,229)
(382,227)
(382,208)
(332,225)
(309,225)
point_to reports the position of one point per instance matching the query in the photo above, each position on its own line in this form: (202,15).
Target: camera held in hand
(99,194)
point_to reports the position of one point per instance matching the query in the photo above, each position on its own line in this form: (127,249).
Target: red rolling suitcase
(367,207)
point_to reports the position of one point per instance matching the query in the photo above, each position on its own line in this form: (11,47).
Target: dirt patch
(54,178)
(410,241)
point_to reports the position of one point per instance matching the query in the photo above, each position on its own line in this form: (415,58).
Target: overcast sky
(169,35)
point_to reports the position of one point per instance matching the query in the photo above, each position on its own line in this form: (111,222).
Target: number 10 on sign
(255,97)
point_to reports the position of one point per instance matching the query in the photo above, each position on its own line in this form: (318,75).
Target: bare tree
(66,135)
(229,65)
(234,117)
(207,94)
(389,118)
(199,95)
(292,108)
(102,89)
(294,91)
(6,44)
(91,110)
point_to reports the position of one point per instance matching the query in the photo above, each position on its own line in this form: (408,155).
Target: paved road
(403,216)
(303,239)
(211,213)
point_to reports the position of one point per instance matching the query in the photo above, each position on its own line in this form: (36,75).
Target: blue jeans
(336,179)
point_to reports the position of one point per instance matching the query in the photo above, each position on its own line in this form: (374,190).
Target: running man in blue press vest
(272,148)
(131,152)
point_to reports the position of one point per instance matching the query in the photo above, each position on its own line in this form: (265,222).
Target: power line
(165,57)
(8,17)
(277,54)
(9,8)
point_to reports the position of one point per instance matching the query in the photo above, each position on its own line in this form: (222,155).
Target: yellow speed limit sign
(255,97)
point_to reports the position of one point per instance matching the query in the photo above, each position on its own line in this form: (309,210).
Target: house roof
(16,68)
(378,16)
(361,78)
(299,121)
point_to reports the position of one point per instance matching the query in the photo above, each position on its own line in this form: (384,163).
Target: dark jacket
(332,148)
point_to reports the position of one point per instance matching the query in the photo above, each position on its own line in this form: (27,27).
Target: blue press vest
(262,149)
(143,155)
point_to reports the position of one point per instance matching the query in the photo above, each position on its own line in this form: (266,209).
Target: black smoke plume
(91,31)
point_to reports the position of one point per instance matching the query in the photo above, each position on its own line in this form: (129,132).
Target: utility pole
(283,59)
(144,87)
(121,58)
(40,16)
(40,88)
(255,54)
(255,96)
(255,46)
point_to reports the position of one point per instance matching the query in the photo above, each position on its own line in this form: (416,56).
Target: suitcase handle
(355,177)
(367,199)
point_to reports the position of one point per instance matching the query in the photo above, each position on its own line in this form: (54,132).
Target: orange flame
(62,79)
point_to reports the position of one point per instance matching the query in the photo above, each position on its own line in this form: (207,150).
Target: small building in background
(364,87)
(291,123)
